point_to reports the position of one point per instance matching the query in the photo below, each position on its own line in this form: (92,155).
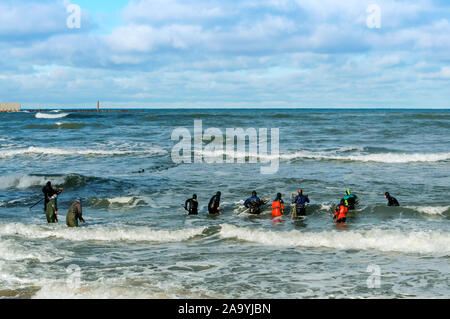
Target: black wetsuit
(48,193)
(255,208)
(352,201)
(254,203)
(191,206)
(392,201)
(214,204)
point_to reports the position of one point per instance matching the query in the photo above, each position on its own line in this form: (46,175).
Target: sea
(134,171)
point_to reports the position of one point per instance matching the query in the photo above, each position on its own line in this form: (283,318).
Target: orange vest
(276,208)
(342,212)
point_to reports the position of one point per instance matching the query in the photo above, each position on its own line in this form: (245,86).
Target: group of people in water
(254,205)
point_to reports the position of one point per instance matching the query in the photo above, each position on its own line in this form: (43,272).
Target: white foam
(118,288)
(97,233)
(381,157)
(26,181)
(326,207)
(122,200)
(12,251)
(430,210)
(60,290)
(64,152)
(333,155)
(377,239)
(50,116)
(350,148)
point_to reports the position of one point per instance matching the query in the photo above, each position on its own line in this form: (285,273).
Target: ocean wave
(376,239)
(430,210)
(68,152)
(12,251)
(50,116)
(380,158)
(394,158)
(32,181)
(382,209)
(28,181)
(56,126)
(100,233)
(119,288)
(117,202)
(60,290)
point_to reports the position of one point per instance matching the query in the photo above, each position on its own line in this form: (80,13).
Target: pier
(97,110)
(10,107)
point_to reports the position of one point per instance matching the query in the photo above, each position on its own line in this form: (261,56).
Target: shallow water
(138,242)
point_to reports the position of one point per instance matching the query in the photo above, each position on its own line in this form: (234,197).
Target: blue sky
(248,53)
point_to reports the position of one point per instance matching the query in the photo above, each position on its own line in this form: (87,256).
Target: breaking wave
(27,181)
(13,251)
(377,239)
(32,181)
(67,152)
(117,202)
(430,210)
(380,157)
(394,158)
(106,234)
(50,116)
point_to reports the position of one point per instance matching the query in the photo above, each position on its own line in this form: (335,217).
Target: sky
(226,54)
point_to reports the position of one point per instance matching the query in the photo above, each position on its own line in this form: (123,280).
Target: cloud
(219,53)
(443,73)
(29,21)
(163,11)
(145,39)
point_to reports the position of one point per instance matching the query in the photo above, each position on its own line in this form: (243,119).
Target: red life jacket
(276,208)
(341,212)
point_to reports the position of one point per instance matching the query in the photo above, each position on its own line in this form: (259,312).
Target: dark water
(139,243)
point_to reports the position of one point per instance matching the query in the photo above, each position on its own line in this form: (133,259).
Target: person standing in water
(340,213)
(51,209)
(350,200)
(278,206)
(51,202)
(214,204)
(75,213)
(392,201)
(254,203)
(49,192)
(191,205)
(300,204)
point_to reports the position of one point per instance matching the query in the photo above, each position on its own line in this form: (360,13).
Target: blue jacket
(300,200)
(252,199)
